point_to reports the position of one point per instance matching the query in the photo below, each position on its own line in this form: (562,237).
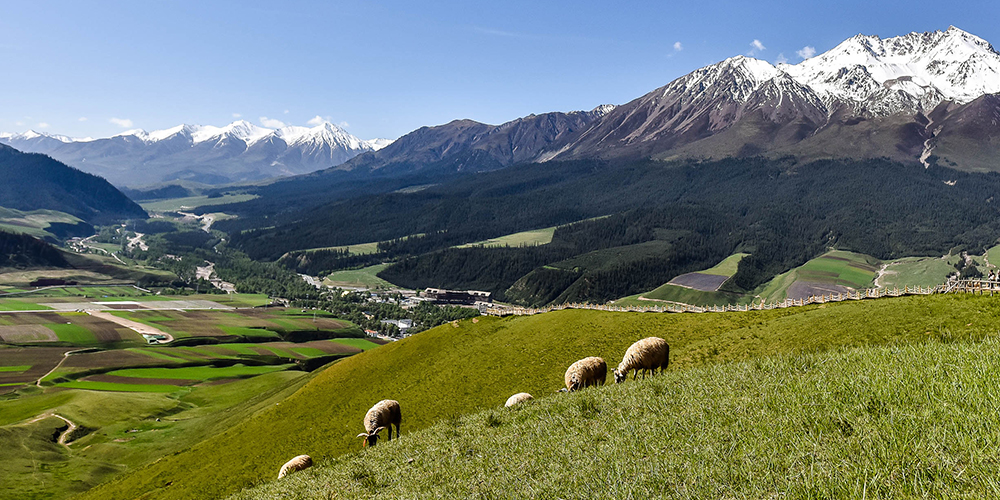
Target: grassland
(917,271)
(476,366)
(727,267)
(875,422)
(824,274)
(359,278)
(667,292)
(192,202)
(34,222)
(259,324)
(523,239)
(121,431)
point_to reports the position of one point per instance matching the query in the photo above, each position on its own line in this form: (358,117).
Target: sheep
(298,463)
(584,373)
(383,415)
(517,399)
(647,354)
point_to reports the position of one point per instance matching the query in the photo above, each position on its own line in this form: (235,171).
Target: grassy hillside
(477,365)
(915,421)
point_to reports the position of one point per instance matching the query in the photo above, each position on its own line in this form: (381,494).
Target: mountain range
(919,97)
(238,152)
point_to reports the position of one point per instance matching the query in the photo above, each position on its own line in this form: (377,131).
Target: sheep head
(620,376)
(370,438)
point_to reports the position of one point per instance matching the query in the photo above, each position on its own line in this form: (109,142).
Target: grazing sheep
(383,415)
(518,399)
(298,463)
(646,355)
(586,372)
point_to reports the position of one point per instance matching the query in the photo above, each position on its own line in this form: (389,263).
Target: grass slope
(674,293)
(917,421)
(366,277)
(478,365)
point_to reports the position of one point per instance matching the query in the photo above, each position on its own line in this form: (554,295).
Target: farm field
(524,238)
(917,271)
(119,431)
(192,202)
(699,288)
(833,272)
(359,278)
(248,323)
(476,366)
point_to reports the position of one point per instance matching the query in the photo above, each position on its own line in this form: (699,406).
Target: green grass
(523,239)
(727,267)
(193,202)
(362,344)
(199,372)
(364,277)
(247,332)
(917,271)
(18,305)
(74,334)
(857,271)
(478,365)
(126,433)
(111,386)
(18,368)
(916,421)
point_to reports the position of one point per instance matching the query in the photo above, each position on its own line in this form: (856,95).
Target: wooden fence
(953,286)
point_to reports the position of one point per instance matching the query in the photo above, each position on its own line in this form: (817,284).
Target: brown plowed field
(27,333)
(113,359)
(806,289)
(41,360)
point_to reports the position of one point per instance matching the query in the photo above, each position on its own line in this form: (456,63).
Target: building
(466,297)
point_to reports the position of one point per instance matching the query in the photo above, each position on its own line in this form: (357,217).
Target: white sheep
(518,399)
(647,354)
(298,463)
(383,415)
(586,372)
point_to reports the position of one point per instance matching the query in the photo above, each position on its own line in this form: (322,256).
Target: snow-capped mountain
(865,97)
(239,151)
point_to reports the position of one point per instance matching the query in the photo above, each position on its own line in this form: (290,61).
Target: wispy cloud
(237,115)
(318,120)
(343,124)
(271,123)
(678,47)
(43,125)
(286,111)
(82,119)
(121,122)
(19,124)
(756,47)
(781,59)
(806,52)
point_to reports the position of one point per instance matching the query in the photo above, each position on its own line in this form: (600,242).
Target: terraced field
(836,271)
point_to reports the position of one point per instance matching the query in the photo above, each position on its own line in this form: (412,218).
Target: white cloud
(756,47)
(806,52)
(121,122)
(19,124)
(678,47)
(286,111)
(43,125)
(316,121)
(237,115)
(343,124)
(781,58)
(271,123)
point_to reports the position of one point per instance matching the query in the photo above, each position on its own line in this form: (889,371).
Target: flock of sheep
(647,355)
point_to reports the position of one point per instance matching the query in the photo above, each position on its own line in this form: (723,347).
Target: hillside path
(38,383)
(65,434)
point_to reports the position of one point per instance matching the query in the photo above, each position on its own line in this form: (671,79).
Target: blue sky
(382,69)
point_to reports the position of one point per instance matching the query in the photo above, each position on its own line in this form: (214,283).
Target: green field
(917,271)
(17,368)
(523,239)
(204,373)
(915,421)
(363,344)
(192,202)
(476,366)
(249,324)
(34,222)
(835,267)
(123,430)
(360,278)
(727,267)
(115,387)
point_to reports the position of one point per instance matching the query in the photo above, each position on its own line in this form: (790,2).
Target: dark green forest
(666,219)
(21,250)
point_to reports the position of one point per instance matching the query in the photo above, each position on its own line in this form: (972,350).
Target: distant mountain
(33,181)
(466,145)
(240,151)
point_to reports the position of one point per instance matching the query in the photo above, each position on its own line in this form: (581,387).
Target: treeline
(22,250)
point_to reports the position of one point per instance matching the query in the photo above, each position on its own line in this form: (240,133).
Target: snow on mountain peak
(920,69)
